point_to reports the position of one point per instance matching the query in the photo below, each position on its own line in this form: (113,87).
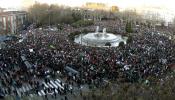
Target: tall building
(1,10)
(100,6)
(12,21)
(95,6)
(114,9)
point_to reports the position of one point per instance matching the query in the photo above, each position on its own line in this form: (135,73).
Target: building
(114,9)
(12,21)
(1,10)
(98,11)
(95,6)
(100,6)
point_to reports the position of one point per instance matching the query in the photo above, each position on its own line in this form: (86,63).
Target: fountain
(99,39)
(97,29)
(104,30)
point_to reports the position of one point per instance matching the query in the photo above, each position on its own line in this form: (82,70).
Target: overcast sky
(168,5)
(120,3)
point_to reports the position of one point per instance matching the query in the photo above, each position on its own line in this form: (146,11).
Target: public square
(85,55)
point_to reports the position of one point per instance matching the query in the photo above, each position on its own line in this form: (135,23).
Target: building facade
(12,21)
(98,11)
(95,6)
(114,9)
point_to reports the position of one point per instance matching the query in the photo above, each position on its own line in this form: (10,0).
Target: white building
(12,21)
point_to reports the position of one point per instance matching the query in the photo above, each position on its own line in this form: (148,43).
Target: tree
(129,27)
(121,44)
(83,23)
(76,16)
(129,40)
(38,13)
(73,34)
(162,24)
(44,14)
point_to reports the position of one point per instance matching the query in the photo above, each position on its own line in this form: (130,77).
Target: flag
(51,46)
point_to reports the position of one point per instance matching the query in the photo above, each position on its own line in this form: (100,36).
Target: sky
(167,6)
(120,3)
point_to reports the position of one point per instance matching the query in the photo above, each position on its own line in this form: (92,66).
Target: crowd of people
(149,54)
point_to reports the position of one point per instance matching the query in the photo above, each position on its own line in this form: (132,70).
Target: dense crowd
(148,55)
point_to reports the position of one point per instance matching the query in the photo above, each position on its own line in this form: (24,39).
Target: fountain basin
(91,40)
(99,39)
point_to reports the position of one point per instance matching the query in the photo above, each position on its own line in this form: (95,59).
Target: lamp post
(81,36)
(49,16)
(49,19)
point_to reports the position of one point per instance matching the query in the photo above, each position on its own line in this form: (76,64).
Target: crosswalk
(52,84)
(46,86)
(56,86)
(23,89)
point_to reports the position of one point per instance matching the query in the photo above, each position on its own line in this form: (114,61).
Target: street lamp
(81,36)
(49,16)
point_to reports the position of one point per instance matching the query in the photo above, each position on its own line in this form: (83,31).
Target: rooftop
(12,13)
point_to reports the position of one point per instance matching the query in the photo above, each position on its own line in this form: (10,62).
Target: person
(138,60)
(65,98)
(55,94)
(46,97)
